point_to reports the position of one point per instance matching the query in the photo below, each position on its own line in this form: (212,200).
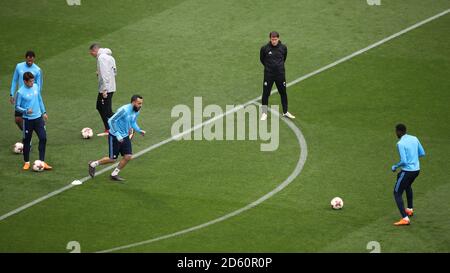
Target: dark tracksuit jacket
(273,59)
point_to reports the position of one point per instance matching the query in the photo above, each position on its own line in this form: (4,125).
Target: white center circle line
(298,168)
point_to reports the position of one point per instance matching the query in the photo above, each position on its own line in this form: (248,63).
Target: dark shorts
(116,147)
(17,114)
(405,180)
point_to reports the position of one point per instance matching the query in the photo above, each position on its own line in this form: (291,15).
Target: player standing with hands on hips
(409,150)
(106,73)
(121,123)
(273,56)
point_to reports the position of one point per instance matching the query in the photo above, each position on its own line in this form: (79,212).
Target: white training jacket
(107,70)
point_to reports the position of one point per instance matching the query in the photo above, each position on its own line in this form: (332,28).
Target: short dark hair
(30,53)
(274,34)
(135,97)
(94,45)
(401,128)
(28,76)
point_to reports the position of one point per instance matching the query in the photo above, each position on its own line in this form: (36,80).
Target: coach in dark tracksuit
(273,56)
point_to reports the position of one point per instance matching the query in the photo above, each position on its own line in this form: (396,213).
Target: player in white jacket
(106,73)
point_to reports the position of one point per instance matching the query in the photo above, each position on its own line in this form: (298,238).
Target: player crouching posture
(121,123)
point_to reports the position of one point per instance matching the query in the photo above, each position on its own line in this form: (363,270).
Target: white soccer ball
(38,166)
(337,203)
(87,133)
(18,148)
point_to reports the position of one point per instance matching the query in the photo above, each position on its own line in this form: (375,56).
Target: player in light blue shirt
(409,150)
(30,104)
(17,81)
(121,124)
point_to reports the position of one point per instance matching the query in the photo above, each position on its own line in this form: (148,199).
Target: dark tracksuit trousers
(404,182)
(38,126)
(104,107)
(280,82)
(273,59)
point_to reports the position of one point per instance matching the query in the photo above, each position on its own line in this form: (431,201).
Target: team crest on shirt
(270,52)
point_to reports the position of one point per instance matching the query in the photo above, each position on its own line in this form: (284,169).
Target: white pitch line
(359,52)
(32,203)
(298,168)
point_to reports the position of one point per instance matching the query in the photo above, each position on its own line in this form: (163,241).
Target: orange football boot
(47,167)
(402,222)
(26,166)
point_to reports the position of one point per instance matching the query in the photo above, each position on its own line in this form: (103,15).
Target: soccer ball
(18,148)
(87,133)
(337,203)
(38,166)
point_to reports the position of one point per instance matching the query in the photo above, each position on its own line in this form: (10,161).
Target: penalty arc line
(298,168)
(302,78)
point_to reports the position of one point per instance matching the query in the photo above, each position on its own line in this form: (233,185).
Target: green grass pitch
(171,51)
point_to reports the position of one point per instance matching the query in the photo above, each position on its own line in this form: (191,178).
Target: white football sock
(94,164)
(406,218)
(115,172)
